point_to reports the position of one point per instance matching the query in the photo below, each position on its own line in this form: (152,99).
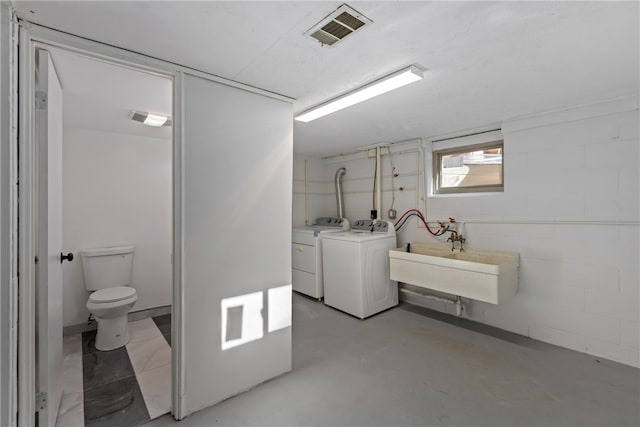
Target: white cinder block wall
(570,208)
(117,191)
(357,184)
(318,199)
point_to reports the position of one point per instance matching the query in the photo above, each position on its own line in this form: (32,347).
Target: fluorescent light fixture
(155,120)
(385,84)
(150,119)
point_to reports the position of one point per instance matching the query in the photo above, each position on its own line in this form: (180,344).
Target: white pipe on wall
(378,184)
(419,176)
(457,301)
(306,192)
(338,184)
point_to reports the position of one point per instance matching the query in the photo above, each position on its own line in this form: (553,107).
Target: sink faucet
(456,237)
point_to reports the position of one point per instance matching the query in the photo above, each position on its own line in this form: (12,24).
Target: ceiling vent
(340,24)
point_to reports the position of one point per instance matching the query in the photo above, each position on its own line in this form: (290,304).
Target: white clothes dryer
(356,268)
(306,254)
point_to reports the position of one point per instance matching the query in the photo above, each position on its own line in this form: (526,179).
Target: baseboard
(133,316)
(149,312)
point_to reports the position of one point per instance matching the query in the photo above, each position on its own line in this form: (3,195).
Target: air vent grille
(138,117)
(349,20)
(338,25)
(337,30)
(324,38)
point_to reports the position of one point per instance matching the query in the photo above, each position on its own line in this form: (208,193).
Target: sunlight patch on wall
(279,303)
(242,316)
(242,320)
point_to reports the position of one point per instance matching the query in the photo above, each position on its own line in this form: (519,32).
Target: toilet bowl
(110,308)
(107,274)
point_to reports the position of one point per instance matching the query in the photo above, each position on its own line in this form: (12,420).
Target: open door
(48,127)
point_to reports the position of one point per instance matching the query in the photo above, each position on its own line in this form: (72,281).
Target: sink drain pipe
(457,301)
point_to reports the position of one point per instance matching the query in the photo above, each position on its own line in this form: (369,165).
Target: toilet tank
(107,267)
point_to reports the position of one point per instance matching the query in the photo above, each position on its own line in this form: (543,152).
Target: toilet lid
(115,294)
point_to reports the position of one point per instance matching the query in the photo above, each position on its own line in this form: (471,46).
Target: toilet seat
(111,295)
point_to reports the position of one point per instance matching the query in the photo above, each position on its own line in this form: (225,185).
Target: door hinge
(41,401)
(41,100)
(36,259)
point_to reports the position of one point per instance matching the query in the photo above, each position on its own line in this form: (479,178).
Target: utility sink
(480,258)
(487,276)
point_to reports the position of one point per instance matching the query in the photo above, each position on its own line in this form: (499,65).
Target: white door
(49,238)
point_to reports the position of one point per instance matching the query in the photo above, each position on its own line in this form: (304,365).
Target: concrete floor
(413,366)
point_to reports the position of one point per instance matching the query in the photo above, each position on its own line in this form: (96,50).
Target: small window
(469,169)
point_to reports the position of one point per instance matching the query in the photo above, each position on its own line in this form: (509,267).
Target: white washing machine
(306,254)
(356,268)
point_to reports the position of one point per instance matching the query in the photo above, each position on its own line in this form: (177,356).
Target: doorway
(105,172)
(228,125)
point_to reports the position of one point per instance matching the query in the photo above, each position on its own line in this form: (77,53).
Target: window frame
(437,169)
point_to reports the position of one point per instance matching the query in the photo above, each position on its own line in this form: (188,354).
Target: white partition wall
(237,178)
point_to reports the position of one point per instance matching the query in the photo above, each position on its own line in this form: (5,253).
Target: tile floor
(124,387)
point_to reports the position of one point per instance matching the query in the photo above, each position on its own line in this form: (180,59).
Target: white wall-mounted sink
(487,276)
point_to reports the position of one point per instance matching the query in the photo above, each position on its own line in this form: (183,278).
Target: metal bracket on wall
(41,401)
(41,100)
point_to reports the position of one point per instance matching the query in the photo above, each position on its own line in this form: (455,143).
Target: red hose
(405,214)
(419,214)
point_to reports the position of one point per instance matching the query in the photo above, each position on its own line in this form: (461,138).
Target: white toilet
(107,275)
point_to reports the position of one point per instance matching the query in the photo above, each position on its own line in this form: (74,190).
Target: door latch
(41,100)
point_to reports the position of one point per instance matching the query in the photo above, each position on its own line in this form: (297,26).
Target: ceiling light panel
(150,119)
(343,22)
(155,120)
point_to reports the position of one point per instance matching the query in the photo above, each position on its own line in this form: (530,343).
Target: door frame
(32,37)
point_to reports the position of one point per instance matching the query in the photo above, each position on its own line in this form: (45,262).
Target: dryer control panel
(332,222)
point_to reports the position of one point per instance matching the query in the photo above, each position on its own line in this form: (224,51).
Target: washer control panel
(381,227)
(375,227)
(332,222)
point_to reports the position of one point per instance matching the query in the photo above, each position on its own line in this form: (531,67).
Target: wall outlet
(392,213)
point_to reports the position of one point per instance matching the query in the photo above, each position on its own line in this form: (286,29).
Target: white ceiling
(101,96)
(486,61)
